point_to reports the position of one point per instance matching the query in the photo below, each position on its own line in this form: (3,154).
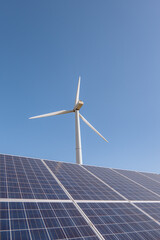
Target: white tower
(77,107)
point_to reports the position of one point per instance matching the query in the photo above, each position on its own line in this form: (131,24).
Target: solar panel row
(25,178)
(153,176)
(141,179)
(121,221)
(28,178)
(127,188)
(80,184)
(153,209)
(42,221)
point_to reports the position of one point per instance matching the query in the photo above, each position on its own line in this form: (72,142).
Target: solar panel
(121,221)
(81,184)
(141,179)
(127,188)
(153,209)
(43,221)
(153,176)
(47,200)
(23,178)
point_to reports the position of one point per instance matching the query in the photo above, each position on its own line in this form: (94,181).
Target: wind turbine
(77,106)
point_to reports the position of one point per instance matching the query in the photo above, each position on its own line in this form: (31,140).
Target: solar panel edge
(136,182)
(149,177)
(21,174)
(119,184)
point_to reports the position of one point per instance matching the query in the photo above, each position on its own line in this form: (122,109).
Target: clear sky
(115,47)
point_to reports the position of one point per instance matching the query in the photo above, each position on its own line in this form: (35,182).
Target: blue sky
(114,46)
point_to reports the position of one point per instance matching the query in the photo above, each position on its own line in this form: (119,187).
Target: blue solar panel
(121,221)
(27,179)
(153,209)
(127,188)
(153,176)
(34,218)
(81,184)
(141,179)
(42,221)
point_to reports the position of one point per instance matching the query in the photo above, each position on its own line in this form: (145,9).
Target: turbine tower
(77,107)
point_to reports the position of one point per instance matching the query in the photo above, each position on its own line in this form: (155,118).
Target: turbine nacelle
(78,105)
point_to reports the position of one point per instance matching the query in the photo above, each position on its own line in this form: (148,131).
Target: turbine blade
(91,127)
(52,114)
(78,88)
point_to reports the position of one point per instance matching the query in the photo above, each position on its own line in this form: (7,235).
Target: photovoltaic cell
(42,221)
(127,188)
(153,176)
(27,179)
(121,221)
(81,184)
(141,179)
(153,209)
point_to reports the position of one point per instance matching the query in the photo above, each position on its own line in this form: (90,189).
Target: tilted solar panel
(53,200)
(121,221)
(153,176)
(141,179)
(127,188)
(153,209)
(42,221)
(22,177)
(81,184)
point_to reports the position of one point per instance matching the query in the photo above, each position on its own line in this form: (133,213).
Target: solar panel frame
(137,177)
(27,178)
(121,184)
(120,220)
(80,184)
(23,223)
(41,220)
(151,208)
(153,176)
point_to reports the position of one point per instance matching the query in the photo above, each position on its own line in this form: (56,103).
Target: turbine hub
(78,105)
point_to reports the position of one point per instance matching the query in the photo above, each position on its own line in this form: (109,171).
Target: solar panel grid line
(149,184)
(123,185)
(32,200)
(105,183)
(25,175)
(102,201)
(121,221)
(63,221)
(38,181)
(152,209)
(80,184)
(23,205)
(148,215)
(135,201)
(75,204)
(8,204)
(153,176)
(9,218)
(135,182)
(149,177)
(42,182)
(39,212)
